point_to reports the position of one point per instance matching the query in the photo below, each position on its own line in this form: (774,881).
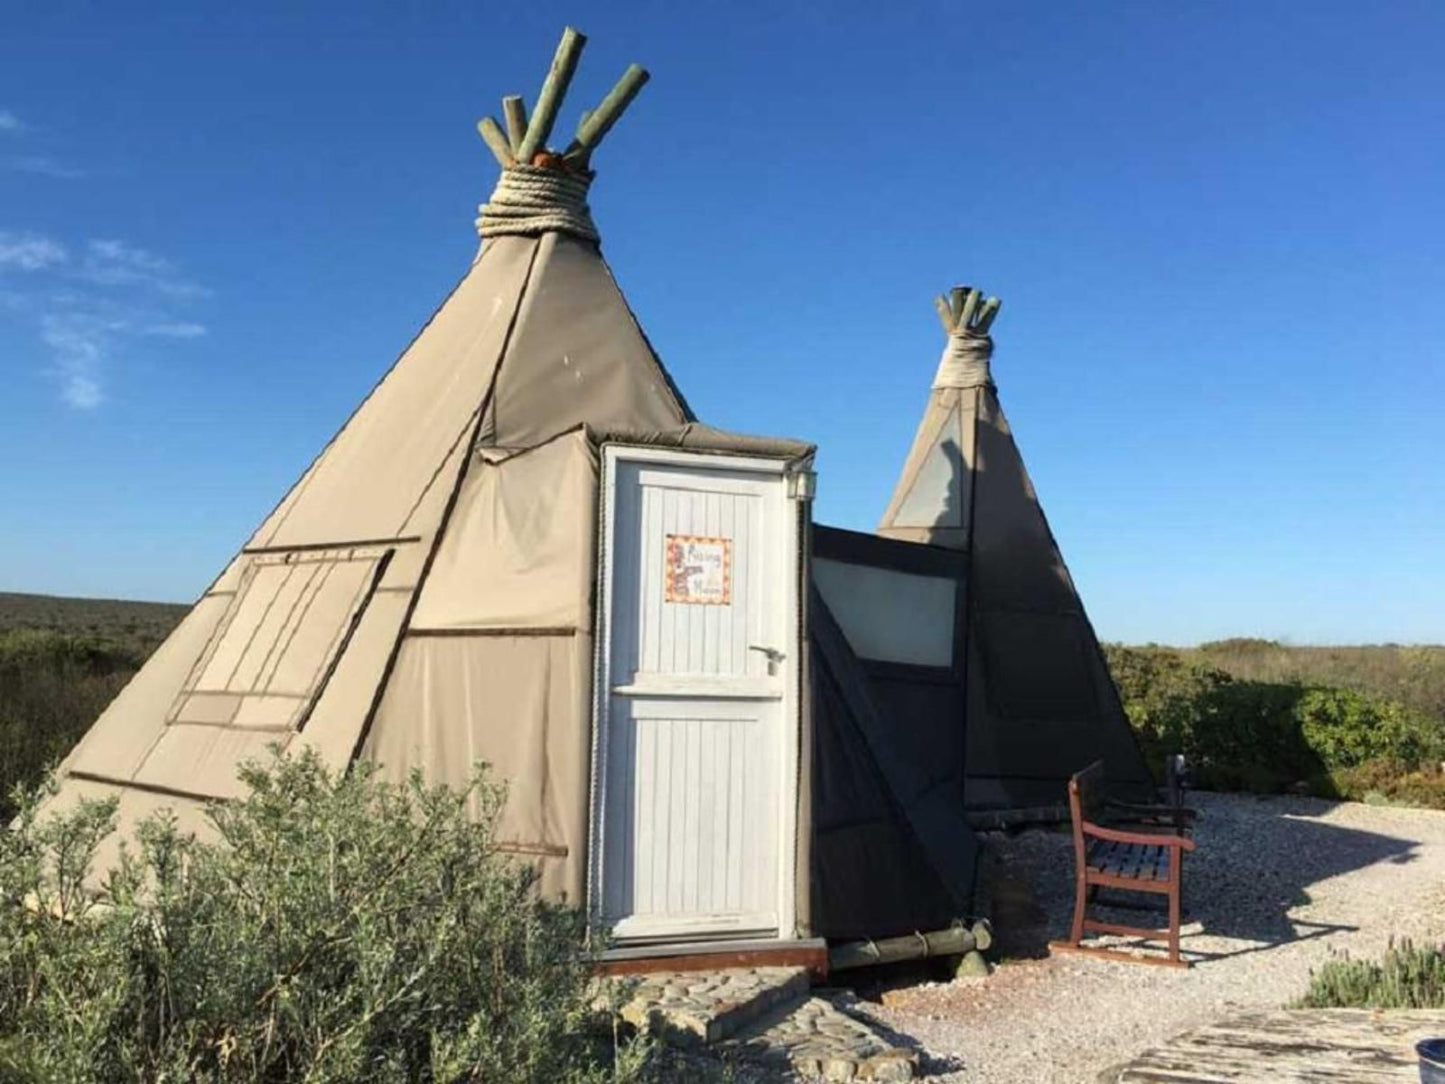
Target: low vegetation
(53,685)
(335,928)
(1286,733)
(1364,723)
(1408,977)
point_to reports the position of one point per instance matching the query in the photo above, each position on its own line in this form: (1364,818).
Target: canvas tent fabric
(1040,703)
(424,597)
(533,344)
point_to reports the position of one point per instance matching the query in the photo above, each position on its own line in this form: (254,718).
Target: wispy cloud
(79,344)
(9,122)
(29,252)
(85,308)
(41,165)
(115,263)
(175,331)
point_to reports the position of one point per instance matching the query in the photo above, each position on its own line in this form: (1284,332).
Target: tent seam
(445,522)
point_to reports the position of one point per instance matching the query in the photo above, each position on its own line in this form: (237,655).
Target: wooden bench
(1140,849)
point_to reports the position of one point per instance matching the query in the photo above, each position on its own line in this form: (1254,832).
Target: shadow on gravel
(1257,860)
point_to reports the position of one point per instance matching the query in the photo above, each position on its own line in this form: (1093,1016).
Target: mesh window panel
(268,656)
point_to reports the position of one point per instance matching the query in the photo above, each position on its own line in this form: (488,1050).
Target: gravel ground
(1276,885)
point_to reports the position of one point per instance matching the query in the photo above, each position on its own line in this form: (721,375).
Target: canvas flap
(518,551)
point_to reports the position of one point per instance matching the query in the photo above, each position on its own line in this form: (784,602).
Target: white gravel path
(1276,885)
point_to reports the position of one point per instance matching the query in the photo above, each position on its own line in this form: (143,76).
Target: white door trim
(603,689)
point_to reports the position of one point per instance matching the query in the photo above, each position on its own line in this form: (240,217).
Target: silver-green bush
(1408,977)
(339,928)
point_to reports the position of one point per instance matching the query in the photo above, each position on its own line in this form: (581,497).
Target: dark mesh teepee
(1040,703)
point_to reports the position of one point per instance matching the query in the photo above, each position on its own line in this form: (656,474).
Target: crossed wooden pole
(965,311)
(525,140)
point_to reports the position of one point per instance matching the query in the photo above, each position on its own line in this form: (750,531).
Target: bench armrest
(1148,839)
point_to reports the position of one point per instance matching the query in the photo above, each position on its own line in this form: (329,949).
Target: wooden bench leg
(1081,901)
(1174,901)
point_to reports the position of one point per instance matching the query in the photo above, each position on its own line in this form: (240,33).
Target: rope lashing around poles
(531,200)
(965,361)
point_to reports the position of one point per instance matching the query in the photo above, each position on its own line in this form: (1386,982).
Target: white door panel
(698,726)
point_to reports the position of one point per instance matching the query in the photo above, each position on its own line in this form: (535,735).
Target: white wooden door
(698,718)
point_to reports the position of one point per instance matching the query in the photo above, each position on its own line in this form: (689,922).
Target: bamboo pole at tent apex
(554,88)
(515,112)
(965,310)
(492,134)
(524,138)
(596,123)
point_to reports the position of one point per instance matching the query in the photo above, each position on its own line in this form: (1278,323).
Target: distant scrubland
(62,660)
(1362,722)
(1365,723)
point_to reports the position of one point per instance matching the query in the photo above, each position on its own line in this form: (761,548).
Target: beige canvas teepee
(1040,703)
(524,481)
(422,593)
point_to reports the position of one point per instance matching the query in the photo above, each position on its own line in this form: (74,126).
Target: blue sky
(1217,230)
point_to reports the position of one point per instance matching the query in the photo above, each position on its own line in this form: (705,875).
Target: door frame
(788,760)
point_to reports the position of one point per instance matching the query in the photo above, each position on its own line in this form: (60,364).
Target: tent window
(937,496)
(888,615)
(1038,666)
(271,652)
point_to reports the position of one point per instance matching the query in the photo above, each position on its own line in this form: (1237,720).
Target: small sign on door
(699,570)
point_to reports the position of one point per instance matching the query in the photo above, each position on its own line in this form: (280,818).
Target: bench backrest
(1086,795)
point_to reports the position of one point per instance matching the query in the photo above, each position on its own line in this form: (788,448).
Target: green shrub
(1390,783)
(1271,735)
(1407,978)
(53,685)
(1346,729)
(338,928)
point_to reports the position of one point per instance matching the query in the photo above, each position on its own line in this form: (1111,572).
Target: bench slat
(1132,861)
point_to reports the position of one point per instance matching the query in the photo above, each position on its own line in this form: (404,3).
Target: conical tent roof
(1040,701)
(298,640)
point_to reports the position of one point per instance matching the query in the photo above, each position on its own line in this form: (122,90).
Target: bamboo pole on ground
(954,941)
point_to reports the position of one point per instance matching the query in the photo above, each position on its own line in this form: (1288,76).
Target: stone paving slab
(708,1006)
(816,1040)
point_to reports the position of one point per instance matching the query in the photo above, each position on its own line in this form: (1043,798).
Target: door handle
(773,655)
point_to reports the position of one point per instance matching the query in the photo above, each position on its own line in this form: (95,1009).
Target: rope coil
(965,362)
(532,200)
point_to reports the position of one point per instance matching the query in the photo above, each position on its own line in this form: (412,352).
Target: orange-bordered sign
(698,570)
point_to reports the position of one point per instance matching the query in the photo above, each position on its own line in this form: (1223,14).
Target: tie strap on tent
(966,317)
(542,190)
